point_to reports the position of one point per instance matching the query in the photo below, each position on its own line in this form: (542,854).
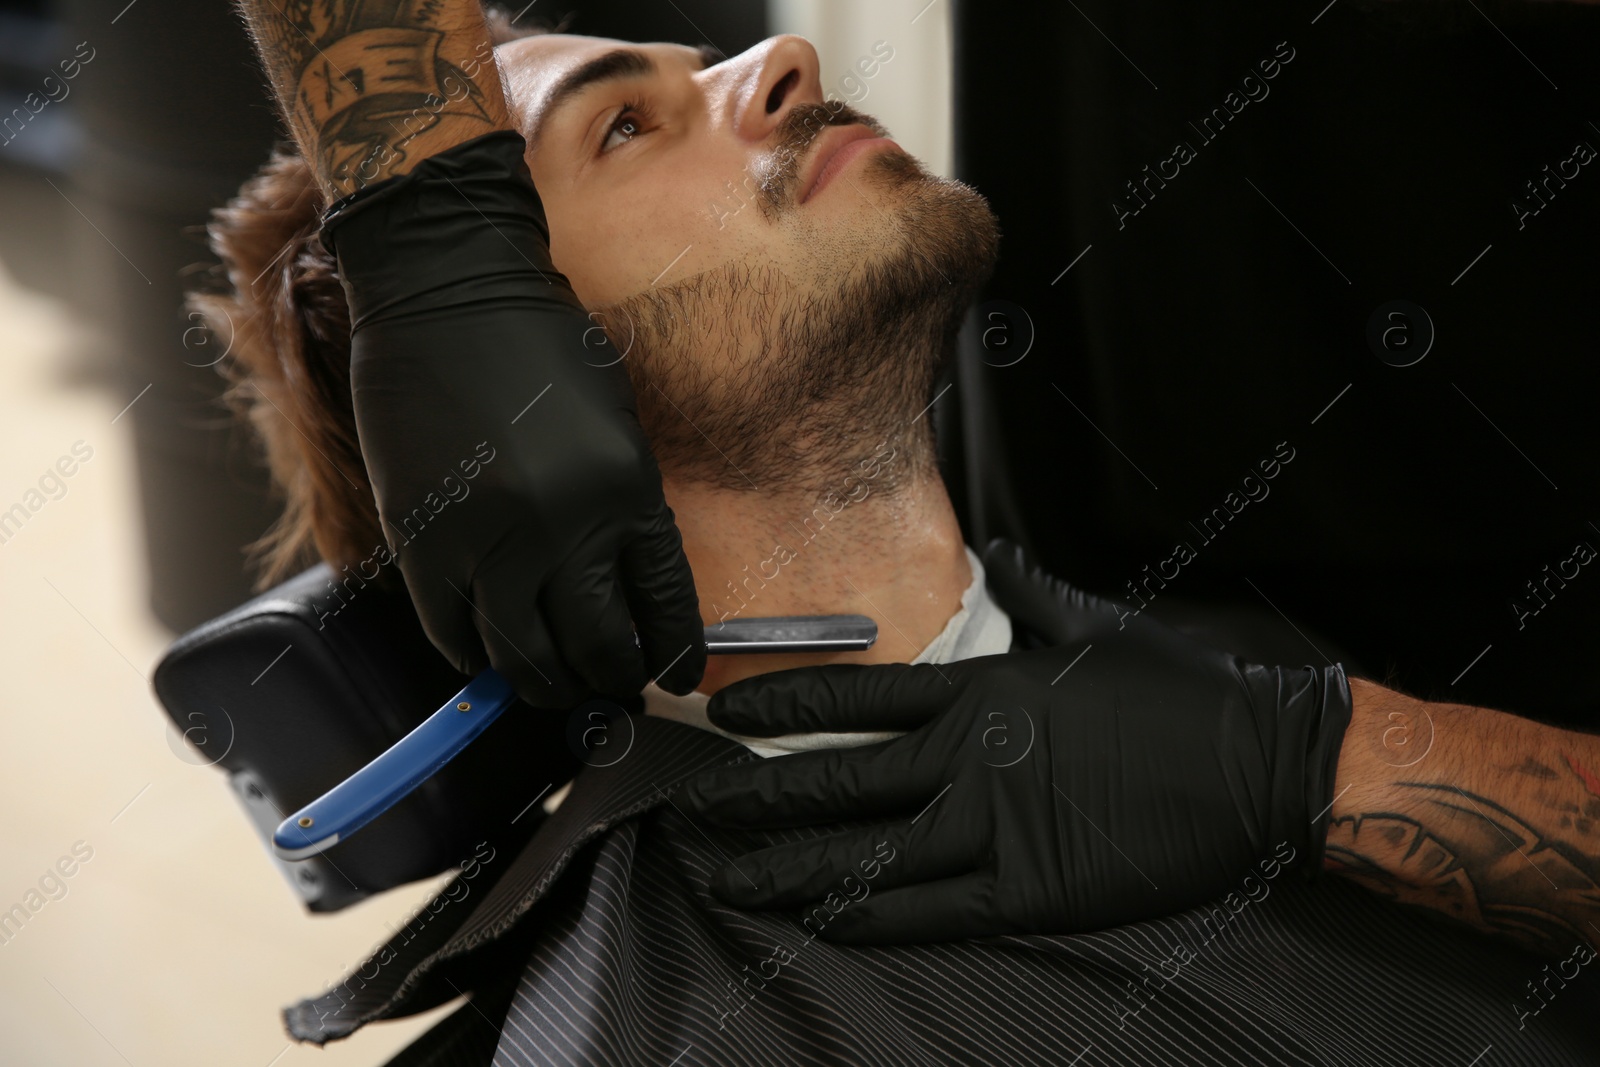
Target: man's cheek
(609,260)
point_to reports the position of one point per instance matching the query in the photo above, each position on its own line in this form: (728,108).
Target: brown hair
(283,321)
(286,329)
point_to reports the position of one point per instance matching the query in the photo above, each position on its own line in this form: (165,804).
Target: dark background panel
(1227,313)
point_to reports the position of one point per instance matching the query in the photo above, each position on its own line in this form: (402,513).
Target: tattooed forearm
(371,87)
(1486,818)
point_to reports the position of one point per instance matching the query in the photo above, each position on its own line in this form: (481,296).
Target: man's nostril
(781,90)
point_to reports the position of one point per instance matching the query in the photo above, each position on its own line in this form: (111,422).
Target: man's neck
(896,557)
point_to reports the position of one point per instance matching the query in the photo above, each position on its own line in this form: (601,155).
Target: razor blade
(438,739)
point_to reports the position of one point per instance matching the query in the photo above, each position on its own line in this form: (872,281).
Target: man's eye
(630,123)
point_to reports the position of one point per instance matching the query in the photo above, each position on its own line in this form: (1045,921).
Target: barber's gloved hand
(499,430)
(1129,773)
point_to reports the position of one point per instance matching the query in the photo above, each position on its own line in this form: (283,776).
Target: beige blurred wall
(909,93)
(175,941)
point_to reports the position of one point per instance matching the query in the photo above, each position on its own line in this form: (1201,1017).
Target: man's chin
(946,238)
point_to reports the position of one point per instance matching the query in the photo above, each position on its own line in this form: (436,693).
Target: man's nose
(775,77)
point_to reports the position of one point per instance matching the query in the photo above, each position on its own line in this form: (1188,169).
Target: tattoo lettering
(362,80)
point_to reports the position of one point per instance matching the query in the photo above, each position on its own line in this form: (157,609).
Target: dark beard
(806,383)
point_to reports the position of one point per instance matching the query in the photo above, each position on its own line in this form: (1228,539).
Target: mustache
(796,137)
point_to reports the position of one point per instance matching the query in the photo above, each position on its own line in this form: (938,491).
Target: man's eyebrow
(615,65)
(611,66)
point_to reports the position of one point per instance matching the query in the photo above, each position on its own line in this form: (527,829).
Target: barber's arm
(1484,817)
(516,489)
(1129,772)
(369,94)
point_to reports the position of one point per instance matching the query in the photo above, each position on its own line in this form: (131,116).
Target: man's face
(753,287)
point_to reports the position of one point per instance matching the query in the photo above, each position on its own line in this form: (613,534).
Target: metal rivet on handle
(305,820)
(463,706)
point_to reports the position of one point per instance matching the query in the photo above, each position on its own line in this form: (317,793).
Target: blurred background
(153,926)
(174,940)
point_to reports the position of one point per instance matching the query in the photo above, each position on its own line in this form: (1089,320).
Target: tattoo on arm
(371,87)
(1518,856)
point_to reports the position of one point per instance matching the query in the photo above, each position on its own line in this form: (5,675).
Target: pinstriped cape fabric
(643,967)
(442,950)
(629,961)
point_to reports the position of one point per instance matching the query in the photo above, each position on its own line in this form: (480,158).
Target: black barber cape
(597,942)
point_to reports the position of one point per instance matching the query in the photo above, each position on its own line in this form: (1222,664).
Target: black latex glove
(500,434)
(1129,773)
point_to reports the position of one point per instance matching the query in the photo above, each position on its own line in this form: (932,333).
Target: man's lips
(829,146)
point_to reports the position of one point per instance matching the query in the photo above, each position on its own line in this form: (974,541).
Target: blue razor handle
(413,759)
(409,762)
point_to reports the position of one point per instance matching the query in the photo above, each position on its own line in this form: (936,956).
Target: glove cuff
(464,225)
(1329,720)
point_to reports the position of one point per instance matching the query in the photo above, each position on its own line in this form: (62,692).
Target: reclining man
(781,352)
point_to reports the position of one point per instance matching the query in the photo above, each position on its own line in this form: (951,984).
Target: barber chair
(288,700)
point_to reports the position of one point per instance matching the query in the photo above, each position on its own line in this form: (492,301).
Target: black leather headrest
(288,699)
